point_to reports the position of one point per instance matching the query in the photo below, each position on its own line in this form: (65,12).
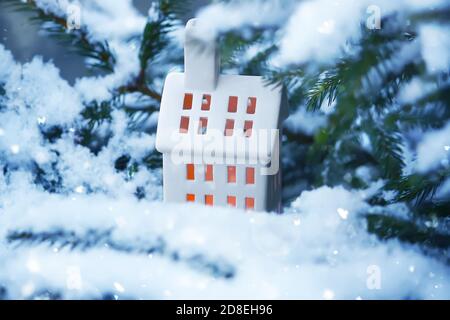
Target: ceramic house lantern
(220,134)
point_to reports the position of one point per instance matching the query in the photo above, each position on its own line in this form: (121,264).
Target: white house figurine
(220,134)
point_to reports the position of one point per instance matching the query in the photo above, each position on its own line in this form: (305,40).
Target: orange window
(231,174)
(251,105)
(184,124)
(249,203)
(209,172)
(190,171)
(232,104)
(231,201)
(209,199)
(250,175)
(187,103)
(202,125)
(190,197)
(229,126)
(248,125)
(206,102)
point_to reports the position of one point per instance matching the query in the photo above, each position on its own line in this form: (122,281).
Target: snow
(304,121)
(127,248)
(310,252)
(317,30)
(101,18)
(436,47)
(415,89)
(100,88)
(444,191)
(434,150)
(53,100)
(221,17)
(7,64)
(35,97)
(116,22)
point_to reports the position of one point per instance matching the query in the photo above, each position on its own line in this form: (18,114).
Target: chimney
(201,60)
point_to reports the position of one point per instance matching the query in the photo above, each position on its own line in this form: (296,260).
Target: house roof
(255,105)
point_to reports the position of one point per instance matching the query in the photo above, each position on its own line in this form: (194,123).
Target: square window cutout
(231,174)
(209,172)
(187,102)
(202,125)
(248,128)
(209,199)
(206,102)
(184,124)
(249,203)
(190,172)
(251,105)
(229,127)
(231,201)
(232,104)
(250,175)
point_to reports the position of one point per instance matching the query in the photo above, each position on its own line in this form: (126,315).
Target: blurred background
(25,39)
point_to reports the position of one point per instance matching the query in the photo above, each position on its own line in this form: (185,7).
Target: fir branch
(289,77)
(49,179)
(435,208)
(387,145)
(153,160)
(98,53)
(140,85)
(293,80)
(344,84)
(392,81)
(154,40)
(439,96)
(77,39)
(139,116)
(96,113)
(431,116)
(233,44)
(418,188)
(388,227)
(326,88)
(93,238)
